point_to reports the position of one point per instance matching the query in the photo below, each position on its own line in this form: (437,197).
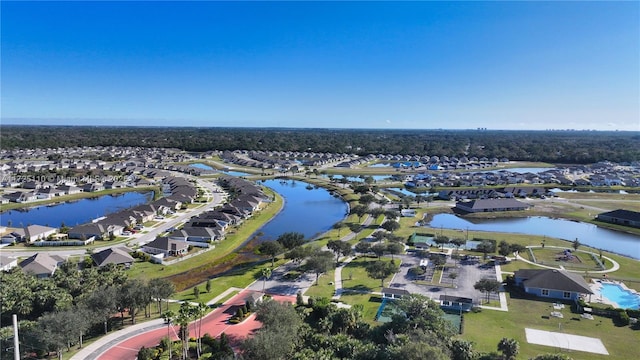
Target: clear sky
(451,65)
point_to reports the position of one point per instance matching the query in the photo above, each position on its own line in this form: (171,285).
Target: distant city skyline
(407,65)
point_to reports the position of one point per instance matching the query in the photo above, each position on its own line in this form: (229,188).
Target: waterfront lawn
(487,327)
(223,251)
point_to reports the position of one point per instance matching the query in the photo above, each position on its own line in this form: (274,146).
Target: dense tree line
(579,147)
(57,312)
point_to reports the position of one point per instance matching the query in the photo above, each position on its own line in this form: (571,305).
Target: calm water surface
(588,234)
(307,211)
(76,212)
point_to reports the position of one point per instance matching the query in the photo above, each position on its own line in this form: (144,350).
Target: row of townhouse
(211,226)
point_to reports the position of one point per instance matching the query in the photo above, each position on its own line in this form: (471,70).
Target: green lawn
(487,327)
(354,275)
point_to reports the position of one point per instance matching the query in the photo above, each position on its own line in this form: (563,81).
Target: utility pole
(16,341)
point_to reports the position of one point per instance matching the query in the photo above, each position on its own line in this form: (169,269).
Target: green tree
(320,262)
(161,289)
(379,249)
(462,350)
(339,247)
(102,303)
(487,286)
(390,225)
(360,211)
(196,292)
(266,274)
(381,270)
(363,247)
(575,244)
(208,286)
(169,316)
(509,348)
(503,248)
(290,240)
(394,248)
(272,249)
(441,240)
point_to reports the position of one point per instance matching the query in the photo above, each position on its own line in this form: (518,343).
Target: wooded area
(576,147)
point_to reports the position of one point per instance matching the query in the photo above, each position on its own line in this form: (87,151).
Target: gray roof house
(166,246)
(42,265)
(488,205)
(552,283)
(117,255)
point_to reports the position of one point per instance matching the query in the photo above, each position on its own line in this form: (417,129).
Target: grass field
(486,328)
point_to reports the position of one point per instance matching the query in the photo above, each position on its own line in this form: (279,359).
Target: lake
(587,234)
(307,211)
(75,212)
(228,172)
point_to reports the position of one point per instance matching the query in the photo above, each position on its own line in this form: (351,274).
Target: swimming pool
(623,297)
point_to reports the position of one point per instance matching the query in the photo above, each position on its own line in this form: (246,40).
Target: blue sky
(428,65)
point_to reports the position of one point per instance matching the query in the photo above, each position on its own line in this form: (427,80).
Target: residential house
(88,231)
(488,205)
(198,234)
(552,283)
(116,255)
(22,197)
(621,217)
(166,246)
(38,232)
(42,265)
(7,263)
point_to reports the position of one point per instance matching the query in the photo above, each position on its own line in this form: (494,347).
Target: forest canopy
(578,147)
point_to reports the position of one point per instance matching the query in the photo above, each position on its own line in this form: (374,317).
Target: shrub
(623,318)
(416,271)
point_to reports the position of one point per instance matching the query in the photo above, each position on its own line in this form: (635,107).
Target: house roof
(493,204)
(395,291)
(40,264)
(36,230)
(118,255)
(164,243)
(623,214)
(554,280)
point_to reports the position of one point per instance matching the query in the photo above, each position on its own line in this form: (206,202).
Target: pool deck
(596,287)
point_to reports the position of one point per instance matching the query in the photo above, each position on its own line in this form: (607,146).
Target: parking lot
(468,273)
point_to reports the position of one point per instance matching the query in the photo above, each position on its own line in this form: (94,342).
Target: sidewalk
(104,343)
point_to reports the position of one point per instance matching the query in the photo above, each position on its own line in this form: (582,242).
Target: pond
(201,166)
(587,234)
(310,211)
(75,212)
(228,172)
(524,170)
(376,178)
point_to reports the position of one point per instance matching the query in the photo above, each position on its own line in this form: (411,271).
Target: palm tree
(200,311)
(168,317)
(266,274)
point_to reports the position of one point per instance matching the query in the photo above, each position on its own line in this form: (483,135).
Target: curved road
(215,323)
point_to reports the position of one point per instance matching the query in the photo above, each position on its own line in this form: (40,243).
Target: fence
(64,242)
